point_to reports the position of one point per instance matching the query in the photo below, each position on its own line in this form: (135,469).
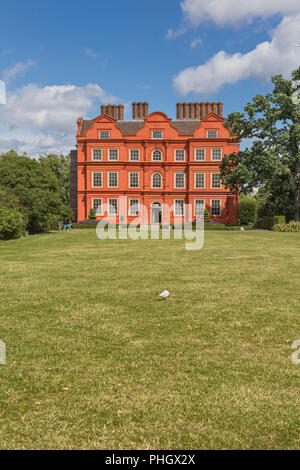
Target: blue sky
(61,60)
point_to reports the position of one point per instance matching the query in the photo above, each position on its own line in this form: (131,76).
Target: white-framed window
(113,179)
(179,180)
(199,180)
(215,181)
(104,135)
(156,180)
(96,154)
(97,179)
(97,206)
(157,134)
(200,154)
(134,155)
(134,208)
(134,180)
(179,207)
(113,154)
(212,134)
(112,206)
(216,154)
(157,155)
(179,155)
(215,207)
(199,206)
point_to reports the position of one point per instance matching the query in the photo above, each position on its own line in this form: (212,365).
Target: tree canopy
(272,162)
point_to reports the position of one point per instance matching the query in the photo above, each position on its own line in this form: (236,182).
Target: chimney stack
(140,110)
(197,110)
(120,112)
(114,111)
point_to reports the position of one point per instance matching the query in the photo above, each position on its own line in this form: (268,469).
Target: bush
(290,227)
(11,223)
(268,222)
(206,216)
(92,214)
(247,211)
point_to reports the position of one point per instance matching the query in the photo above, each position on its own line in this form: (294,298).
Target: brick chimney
(139,110)
(114,111)
(197,110)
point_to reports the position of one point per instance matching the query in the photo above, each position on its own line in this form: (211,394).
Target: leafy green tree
(36,188)
(272,163)
(60,167)
(11,223)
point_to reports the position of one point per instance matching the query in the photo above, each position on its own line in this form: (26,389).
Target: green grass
(208,368)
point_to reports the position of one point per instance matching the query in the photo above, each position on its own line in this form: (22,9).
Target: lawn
(96,361)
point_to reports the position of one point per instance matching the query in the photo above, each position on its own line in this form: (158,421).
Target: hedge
(267,222)
(247,211)
(290,227)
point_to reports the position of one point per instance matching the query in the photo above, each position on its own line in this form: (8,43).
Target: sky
(63,59)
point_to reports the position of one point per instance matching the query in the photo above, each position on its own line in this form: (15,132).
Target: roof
(131,127)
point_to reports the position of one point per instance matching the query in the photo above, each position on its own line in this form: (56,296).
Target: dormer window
(212,134)
(157,135)
(104,135)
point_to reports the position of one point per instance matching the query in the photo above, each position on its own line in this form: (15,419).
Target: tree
(272,163)
(206,215)
(36,188)
(60,167)
(92,214)
(11,223)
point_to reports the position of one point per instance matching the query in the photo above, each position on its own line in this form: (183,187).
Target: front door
(156,213)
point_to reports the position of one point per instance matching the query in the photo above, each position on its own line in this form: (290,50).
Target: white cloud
(18,69)
(91,53)
(43,119)
(195,43)
(228,12)
(267,59)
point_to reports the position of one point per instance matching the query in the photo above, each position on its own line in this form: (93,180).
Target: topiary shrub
(247,211)
(92,214)
(206,216)
(290,227)
(11,223)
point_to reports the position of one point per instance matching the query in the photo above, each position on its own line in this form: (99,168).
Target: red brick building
(154,161)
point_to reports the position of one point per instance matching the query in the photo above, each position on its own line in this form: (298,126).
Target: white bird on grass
(164,294)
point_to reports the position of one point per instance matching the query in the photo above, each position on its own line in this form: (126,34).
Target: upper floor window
(156,180)
(97,206)
(112,206)
(104,135)
(199,180)
(134,207)
(215,180)
(97,154)
(113,154)
(216,154)
(134,155)
(179,180)
(157,155)
(215,207)
(97,179)
(179,207)
(199,207)
(200,154)
(157,134)
(212,134)
(179,155)
(113,179)
(133,180)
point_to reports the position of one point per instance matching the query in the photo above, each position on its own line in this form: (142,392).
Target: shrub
(206,216)
(92,214)
(247,211)
(268,222)
(11,223)
(290,227)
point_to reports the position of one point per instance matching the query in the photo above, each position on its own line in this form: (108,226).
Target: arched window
(156,180)
(157,155)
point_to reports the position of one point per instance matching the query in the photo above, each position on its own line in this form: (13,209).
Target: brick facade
(188,147)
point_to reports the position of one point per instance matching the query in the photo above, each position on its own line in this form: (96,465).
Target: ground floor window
(133,207)
(97,206)
(179,205)
(199,207)
(112,206)
(215,207)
